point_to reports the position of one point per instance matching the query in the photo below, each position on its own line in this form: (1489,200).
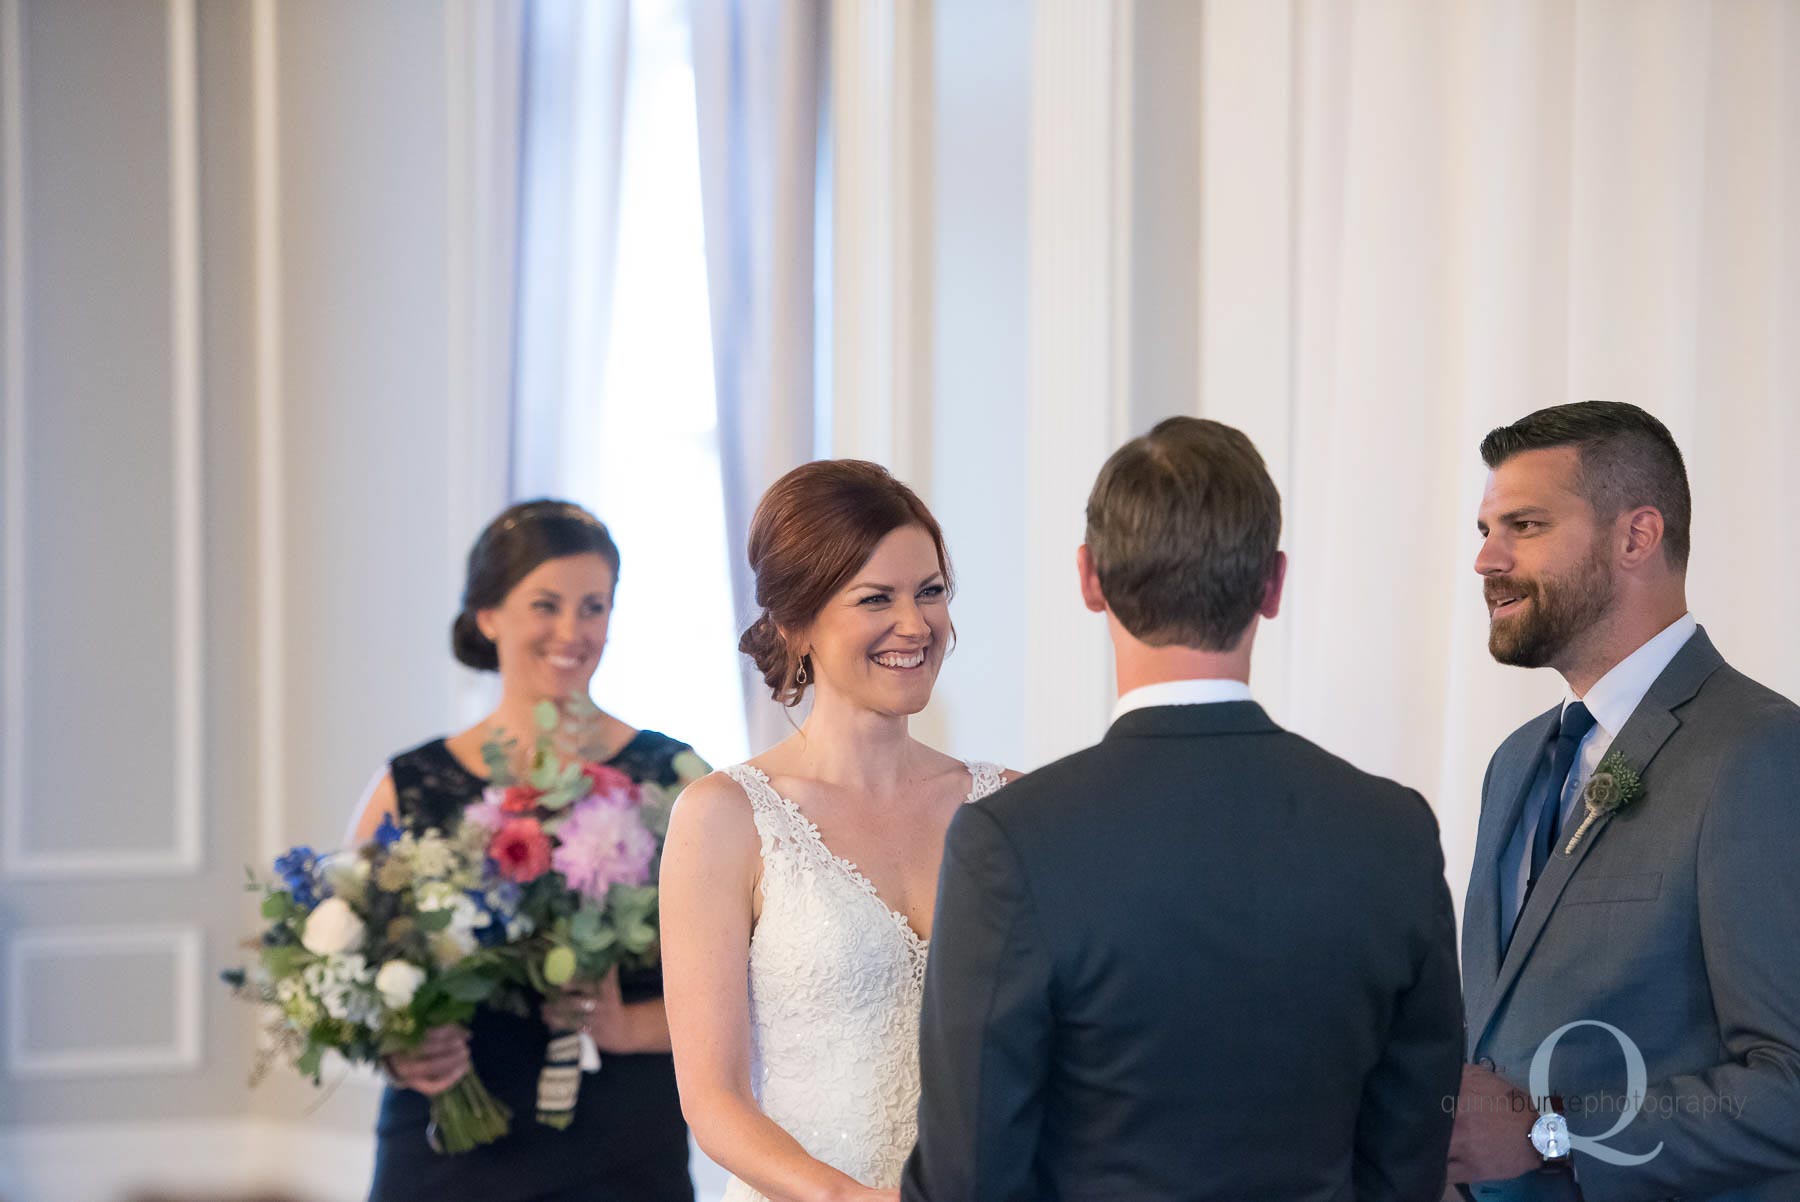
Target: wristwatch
(1550,1136)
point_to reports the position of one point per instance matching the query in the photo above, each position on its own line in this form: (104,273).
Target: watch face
(1550,1136)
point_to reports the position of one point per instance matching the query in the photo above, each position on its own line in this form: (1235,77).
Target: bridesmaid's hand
(439,1061)
(598,1008)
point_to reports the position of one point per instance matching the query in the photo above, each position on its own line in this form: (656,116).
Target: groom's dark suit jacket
(1201,960)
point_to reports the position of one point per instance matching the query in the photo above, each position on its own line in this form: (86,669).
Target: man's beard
(1558,610)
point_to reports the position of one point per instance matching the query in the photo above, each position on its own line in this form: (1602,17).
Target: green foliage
(634,913)
(497,754)
(286,961)
(547,716)
(308,1063)
(433,921)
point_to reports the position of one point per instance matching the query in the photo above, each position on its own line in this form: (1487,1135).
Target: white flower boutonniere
(1614,785)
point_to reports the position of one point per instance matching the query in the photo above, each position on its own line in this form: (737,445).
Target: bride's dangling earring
(800,677)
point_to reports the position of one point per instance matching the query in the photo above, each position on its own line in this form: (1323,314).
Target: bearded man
(1631,938)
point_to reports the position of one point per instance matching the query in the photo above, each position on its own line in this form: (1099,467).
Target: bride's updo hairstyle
(813,529)
(510,549)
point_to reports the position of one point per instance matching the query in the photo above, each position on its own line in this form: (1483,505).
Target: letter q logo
(1637,1079)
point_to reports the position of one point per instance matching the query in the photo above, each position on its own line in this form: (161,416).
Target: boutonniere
(1614,785)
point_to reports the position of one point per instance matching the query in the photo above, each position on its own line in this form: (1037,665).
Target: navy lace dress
(627,1143)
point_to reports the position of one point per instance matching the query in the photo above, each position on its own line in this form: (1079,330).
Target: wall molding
(184,855)
(271,516)
(1248,239)
(181,1053)
(482,42)
(12,363)
(1079,372)
(45,1162)
(881,202)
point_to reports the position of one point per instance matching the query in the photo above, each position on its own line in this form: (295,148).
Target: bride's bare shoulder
(948,765)
(715,801)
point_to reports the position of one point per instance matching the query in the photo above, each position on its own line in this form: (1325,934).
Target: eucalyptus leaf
(433,921)
(546,716)
(286,961)
(585,927)
(496,753)
(688,766)
(467,986)
(308,1063)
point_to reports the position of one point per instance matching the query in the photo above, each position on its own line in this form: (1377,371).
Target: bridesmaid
(536,605)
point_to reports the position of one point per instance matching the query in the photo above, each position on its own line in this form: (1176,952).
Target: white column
(1246,326)
(881,234)
(1079,373)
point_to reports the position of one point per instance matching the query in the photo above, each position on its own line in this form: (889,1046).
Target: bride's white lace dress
(836,981)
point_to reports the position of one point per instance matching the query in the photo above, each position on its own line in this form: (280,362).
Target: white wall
(241,466)
(978,394)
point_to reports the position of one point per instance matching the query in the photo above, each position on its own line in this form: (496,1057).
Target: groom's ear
(1091,595)
(1271,604)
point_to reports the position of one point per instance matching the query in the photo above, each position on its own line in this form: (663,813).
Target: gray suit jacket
(1676,921)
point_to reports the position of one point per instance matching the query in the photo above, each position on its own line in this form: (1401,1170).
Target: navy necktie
(1546,798)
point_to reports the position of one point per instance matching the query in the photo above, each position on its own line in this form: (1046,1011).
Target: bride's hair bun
(813,529)
(768,651)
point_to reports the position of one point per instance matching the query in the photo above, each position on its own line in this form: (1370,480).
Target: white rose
(397,982)
(332,927)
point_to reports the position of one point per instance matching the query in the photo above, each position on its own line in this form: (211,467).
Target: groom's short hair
(1627,459)
(1184,526)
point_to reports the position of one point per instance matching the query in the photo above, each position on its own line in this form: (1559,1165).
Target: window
(653,474)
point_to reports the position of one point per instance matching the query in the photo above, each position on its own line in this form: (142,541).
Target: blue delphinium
(388,831)
(296,871)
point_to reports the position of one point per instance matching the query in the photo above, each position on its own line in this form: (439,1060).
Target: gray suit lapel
(1507,790)
(1644,735)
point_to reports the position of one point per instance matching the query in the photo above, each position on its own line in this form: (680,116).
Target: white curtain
(1496,207)
(759,83)
(576,58)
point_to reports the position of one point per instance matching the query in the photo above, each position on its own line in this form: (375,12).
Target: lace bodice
(836,981)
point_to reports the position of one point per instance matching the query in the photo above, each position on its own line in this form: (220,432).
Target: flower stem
(1580,831)
(467,1115)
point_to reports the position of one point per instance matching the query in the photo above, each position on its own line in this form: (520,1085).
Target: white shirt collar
(1615,696)
(1181,692)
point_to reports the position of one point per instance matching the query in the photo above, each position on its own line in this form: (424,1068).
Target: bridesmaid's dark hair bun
(813,529)
(510,549)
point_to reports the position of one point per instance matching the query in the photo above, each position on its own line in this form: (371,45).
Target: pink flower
(486,812)
(604,843)
(521,849)
(608,780)
(519,799)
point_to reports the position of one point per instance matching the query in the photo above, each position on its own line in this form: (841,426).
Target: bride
(797,888)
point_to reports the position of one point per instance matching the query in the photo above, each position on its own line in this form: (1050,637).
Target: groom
(1631,940)
(1203,959)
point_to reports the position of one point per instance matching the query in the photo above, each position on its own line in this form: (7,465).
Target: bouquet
(546,882)
(367,950)
(578,844)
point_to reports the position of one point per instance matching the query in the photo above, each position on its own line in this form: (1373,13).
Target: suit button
(1486,1062)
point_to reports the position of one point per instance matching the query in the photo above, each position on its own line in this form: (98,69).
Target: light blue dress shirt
(1612,701)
